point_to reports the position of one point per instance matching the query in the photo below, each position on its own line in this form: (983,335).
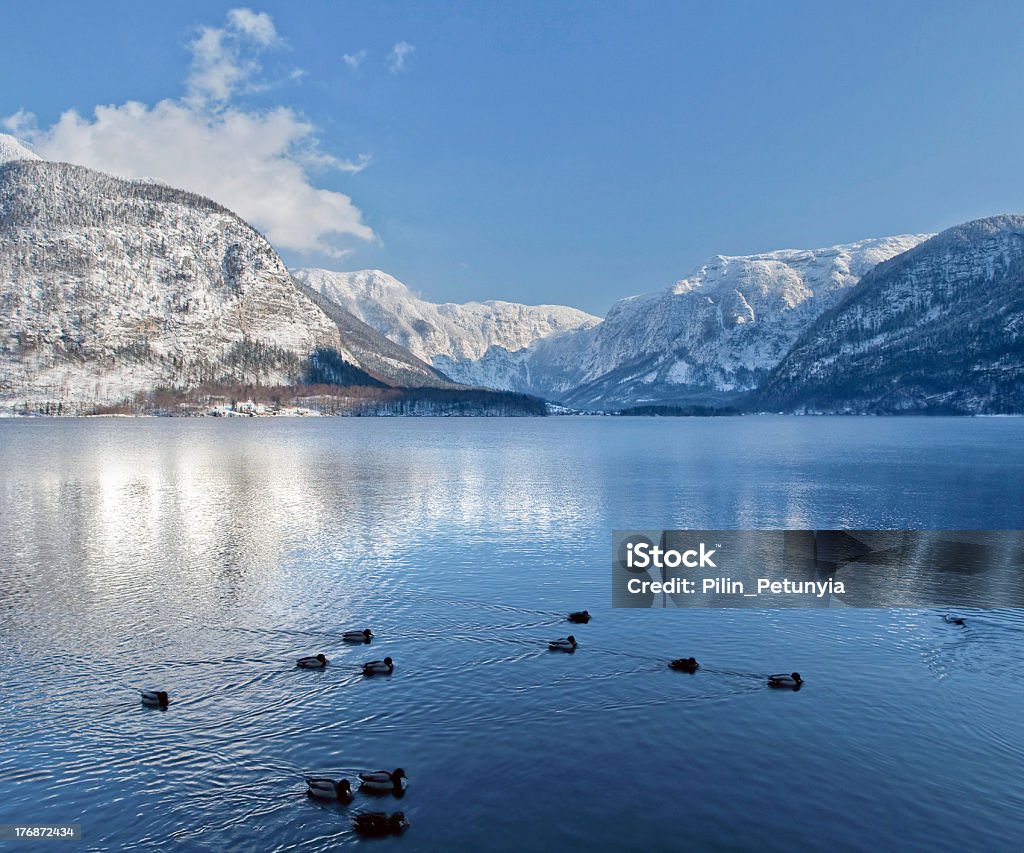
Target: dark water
(204,556)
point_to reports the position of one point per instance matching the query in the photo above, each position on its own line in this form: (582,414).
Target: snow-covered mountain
(109,288)
(712,336)
(14,149)
(940,328)
(487,344)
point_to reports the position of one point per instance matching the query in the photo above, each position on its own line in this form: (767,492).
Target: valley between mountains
(131,296)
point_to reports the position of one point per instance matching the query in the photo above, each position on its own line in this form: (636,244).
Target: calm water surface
(204,556)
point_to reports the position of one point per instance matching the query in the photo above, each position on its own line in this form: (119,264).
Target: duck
(327,789)
(154,698)
(383,781)
(684,665)
(566,644)
(357,636)
(379,667)
(792,681)
(580,617)
(314,662)
(378,824)
(955,620)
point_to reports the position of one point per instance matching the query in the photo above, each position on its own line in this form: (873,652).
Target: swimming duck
(357,636)
(154,698)
(377,824)
(792,681)
(566,644)
(316,662)
(684,664)
(580,617)
(379,667)
(382,780)
(327,789)
(955,620)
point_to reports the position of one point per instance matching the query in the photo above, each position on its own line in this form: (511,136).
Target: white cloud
(354,60)
(22,123)
(257,25)
(256,163)
(224,58)
(398,56)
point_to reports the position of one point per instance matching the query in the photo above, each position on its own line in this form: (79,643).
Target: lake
(204,556)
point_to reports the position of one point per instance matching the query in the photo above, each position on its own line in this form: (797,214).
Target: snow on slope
(13,149)
(719,331)
(476,343)
(938,329)
(111,287)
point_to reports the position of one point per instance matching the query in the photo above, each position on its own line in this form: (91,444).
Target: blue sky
(539,152)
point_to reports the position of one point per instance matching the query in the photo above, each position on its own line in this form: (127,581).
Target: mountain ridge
(12,148)
(713,335)
(111,288)
(474,343)
(939,328)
